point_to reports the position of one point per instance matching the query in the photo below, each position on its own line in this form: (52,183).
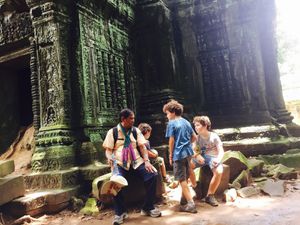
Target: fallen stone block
(248,192)
(273,188)
(205,178)
(280,171)
(255,166)
(44,201)
(244,179)
(11,187)
(6,167)
(237,163)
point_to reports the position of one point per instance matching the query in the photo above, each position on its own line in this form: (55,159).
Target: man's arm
(108,154)
(171,148)
(145,156)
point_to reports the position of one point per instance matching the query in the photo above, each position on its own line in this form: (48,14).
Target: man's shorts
(181,169)
(208,161)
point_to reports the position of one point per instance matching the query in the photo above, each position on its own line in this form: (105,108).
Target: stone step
(11,187)
(229,134)
(44,201)
(90,172)
(52,179)
(261,146)
(6,167)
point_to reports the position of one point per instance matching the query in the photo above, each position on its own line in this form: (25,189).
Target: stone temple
(69,66)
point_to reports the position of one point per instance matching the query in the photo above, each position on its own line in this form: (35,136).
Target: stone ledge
(258,146)
(52,179)
(93,171)
(44,201)
(11,187)
(228,134)
(6,167)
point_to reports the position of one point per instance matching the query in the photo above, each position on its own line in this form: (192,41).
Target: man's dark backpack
(134,132)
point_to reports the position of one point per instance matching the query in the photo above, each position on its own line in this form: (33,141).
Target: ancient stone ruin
(69,66)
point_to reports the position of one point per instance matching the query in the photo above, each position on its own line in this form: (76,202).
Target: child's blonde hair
(144,128)
(203,120)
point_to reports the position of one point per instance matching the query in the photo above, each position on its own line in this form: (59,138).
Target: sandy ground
(257,210)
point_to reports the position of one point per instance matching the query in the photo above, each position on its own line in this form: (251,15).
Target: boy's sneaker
(120,219)
(183,201)
(210,199)
(191,208)
(153,213)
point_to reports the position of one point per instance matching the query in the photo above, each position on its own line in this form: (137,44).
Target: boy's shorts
(181,169)
(208,161)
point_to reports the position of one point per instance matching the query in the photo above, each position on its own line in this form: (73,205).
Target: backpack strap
(115,134)
(134,132)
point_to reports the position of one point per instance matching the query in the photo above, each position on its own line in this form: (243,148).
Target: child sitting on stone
(146,130)
(208,151)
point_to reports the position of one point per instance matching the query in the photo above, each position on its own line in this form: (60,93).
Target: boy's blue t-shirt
(182,131)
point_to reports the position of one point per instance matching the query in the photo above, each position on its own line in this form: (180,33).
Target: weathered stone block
(257,146)
(255,166)
(205,178)
(244,179)
(6,167)
(273,188)
(249,191)
(237,163)
(280,171)
(52,179)
(48,201)
(11,187)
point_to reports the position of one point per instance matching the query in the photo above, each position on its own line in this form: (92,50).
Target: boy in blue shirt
(181,135)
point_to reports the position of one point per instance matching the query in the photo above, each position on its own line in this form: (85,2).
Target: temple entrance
(15,99)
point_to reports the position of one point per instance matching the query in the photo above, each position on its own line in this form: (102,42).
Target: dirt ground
(257,210)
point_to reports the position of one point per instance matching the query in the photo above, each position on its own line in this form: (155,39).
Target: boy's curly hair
(173,106)
(144,128)
(203,120)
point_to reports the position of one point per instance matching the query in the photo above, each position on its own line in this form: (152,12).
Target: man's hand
(149,167)
(110,161)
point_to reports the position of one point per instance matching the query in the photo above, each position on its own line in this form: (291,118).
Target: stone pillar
(267,35)
(156,64)
(54,140)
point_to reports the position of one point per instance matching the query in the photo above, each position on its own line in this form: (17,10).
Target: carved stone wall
(105,63)
(55,141)
(226,38)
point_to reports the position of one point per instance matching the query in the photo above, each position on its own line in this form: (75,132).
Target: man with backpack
(126,144)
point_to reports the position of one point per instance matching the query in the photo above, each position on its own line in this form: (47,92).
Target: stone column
(156,64)
(54,141)
(267,25)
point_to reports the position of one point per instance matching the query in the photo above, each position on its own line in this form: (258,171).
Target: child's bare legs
(192,174)
(163,169)
(215,180)
(186,191)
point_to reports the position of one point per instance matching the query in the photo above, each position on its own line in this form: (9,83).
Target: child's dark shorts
(181,169)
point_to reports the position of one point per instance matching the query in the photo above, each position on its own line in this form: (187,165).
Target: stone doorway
(15,99)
